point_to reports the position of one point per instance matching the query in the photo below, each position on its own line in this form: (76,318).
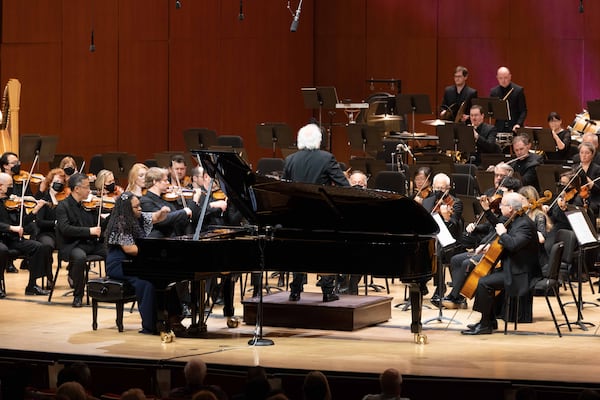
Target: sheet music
(444,237)
(580,226)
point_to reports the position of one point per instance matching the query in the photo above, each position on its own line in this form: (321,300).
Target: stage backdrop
(157,70)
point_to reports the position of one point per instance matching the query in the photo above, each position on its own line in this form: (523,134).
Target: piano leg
(198,326)
(416,306)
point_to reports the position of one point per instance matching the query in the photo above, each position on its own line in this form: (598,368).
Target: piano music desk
(349,313)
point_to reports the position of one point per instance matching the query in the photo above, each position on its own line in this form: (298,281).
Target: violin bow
(562,192)
(24,189)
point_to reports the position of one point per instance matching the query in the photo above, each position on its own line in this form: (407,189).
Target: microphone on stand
(92,45)
(241,15)
(581,6)
(296,20)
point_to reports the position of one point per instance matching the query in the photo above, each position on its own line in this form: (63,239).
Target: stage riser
(349,313)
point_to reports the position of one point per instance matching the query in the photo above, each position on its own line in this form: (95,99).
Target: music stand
(199,138)
(365,138)
(493,107)
(413,104)
(269,135)
(447,135)
(593,107)
(42,146)
(586,237)
(466,140)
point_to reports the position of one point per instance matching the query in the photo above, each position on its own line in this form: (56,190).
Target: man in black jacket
(312,165)
(519,263)
(457,97)
(484,134)
(515,96)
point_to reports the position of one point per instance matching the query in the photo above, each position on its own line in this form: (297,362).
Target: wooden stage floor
(533,353)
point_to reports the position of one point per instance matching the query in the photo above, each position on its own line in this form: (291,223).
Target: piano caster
(232,322)
(167,337)
(420,338)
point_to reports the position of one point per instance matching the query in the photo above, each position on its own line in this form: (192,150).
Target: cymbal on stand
(434,122)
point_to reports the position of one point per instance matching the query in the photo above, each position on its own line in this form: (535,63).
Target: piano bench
(110,290)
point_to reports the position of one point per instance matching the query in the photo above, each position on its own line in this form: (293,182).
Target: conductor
(312,165)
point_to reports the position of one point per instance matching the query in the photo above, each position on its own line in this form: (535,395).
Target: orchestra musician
(46,218)
(78,233)
(589,175)
(450,209)
(561,136)
(11,165)
(177,170)
(518,263)
(68,164)
(105,184)
(312,165)
(484,134)
(11,237)
(591,138)
(515,95)
(526,162)
(457,98)
(126,224)
(136,179)
(422,184)
(543,224)
(358,179)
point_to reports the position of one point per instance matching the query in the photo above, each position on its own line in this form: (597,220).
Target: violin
(24,175)
(108,203)
(60,196)
(494,200)
(14,203)
(176,192)
(218,194)
(445,199)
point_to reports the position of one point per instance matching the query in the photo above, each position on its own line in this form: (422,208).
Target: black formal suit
(486,142)
(73,223)
(519,265)
(314,166)
(516,103)
(593,201)
(526,168)
(453,99)
(319,167)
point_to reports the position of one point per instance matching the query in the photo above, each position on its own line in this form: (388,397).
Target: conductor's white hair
(309,137)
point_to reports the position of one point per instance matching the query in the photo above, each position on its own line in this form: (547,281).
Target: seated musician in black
(78,233)
(526,162)
(519,263)
(478,235)
(127,223)
(11,237)
(449,208)
(484,134)
(312,165)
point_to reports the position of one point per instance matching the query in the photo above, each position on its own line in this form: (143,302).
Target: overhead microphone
(177,4)
(296,20)
(241,15)
(581,6)
(92,45)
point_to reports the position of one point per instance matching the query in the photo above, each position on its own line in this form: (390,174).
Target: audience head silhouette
(316,386)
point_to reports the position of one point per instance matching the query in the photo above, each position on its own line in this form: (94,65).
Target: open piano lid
(283,204)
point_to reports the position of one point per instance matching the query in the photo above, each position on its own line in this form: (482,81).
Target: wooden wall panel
(35,21)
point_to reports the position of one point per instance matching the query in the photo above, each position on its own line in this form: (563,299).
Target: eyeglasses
(84,187)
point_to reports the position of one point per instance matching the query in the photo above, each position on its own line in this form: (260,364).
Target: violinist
(526,162)
(68,164)
(542,222)
(422,184)
(177,170)
(589,174)
(136,180)
(78,232)
(450,209)
(592,139)
(12,166)
(519,263)
(105,184)
(11,237)
(46,217)
(358,179)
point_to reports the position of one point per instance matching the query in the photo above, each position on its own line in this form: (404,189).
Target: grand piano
(300,227)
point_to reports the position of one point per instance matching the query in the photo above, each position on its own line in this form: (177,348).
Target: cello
(491,257)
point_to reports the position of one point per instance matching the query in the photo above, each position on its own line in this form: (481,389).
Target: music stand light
(270,135)
(493,107)
(413,104)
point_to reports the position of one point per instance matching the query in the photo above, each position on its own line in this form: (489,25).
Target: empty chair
(393,181)
(270,166)
(465,184)
(550,283)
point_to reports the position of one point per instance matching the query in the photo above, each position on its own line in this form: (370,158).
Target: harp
(9,120)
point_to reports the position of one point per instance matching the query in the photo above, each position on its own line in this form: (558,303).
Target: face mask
(58,187)
(69,171)
(9,191)
(110,188)
(438,194)
(16,169)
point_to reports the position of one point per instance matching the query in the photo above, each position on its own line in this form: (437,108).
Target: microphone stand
(258,339)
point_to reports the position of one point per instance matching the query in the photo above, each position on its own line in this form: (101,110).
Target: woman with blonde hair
(136,179)
(542,222)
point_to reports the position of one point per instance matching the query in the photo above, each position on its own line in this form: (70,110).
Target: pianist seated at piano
(127,223)
(312,165)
